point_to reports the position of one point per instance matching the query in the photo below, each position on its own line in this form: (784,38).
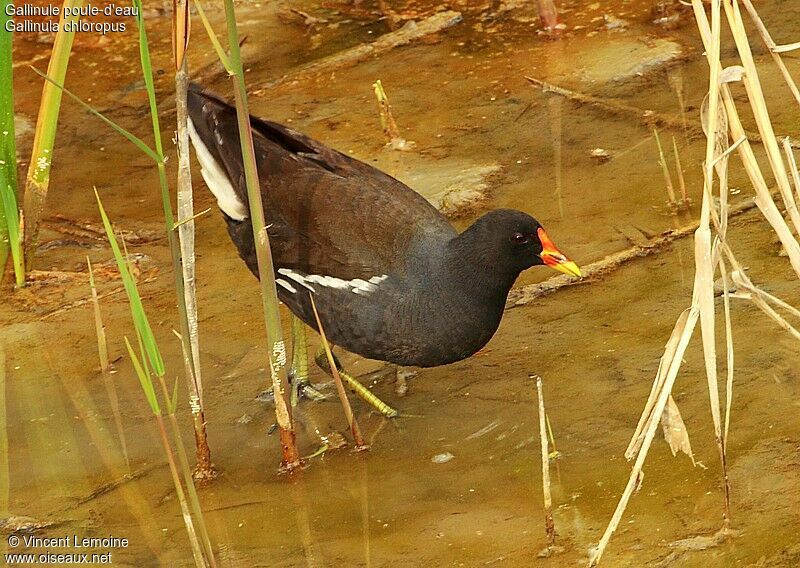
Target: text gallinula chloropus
(391,278)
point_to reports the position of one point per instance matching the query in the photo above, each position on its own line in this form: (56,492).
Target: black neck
(476,269)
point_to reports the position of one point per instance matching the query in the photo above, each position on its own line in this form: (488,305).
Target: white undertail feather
(216,179)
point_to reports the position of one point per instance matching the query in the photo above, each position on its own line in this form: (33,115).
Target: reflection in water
(554,103)
(111,392)
(116,473)
(4,469)
(363,475)
(298,491)
(53,449)
(675,78)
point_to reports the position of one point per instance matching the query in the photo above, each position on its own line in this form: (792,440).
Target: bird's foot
(355,386)
(299,390)
(401,380)
(303,388)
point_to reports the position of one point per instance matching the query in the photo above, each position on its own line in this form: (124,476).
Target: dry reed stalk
(548,14)
(658,386)
(646,117)
(763,197)
(704,265)
(721,115)
(595,270)
(682,332)
(686,202)
(348,410)
(99,327)
(662,161)
(773,49)
(204,469)
(549,526)
(387,119)
(394,139)
(726,299)
(787,149)
(762,300)
(758,105)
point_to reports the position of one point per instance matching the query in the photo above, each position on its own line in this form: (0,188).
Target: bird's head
(518,240)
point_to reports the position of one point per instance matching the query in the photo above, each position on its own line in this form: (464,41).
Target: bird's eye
(519,238)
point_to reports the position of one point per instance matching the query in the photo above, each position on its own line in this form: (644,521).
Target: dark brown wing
(329,214)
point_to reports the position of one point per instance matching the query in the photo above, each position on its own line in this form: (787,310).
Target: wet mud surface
(461,96)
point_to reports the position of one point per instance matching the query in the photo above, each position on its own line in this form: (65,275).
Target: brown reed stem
(662,161)
(204,468)
(548,14)
(197,551)
(549,525)
(269,295)
(681,180)
(348,410)
(772,47)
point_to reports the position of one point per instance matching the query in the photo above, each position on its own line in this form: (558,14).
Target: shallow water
(461,97)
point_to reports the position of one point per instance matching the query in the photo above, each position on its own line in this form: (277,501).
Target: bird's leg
(355,386)
(298,374)
(402,374)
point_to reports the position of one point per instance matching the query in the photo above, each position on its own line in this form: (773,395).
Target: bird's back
(366,245)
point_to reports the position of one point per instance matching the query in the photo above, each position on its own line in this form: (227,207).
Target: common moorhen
(391,277)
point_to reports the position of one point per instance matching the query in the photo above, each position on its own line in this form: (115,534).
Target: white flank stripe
(296,277)
(216,179)
(327,281)
(286,285)
(357,285)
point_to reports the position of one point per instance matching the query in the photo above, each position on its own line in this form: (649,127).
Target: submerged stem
(269,294)
(197,551)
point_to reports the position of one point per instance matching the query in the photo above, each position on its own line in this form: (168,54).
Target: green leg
(298,374)
(362,391)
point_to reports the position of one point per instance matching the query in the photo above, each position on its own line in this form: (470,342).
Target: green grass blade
(144,379)
(269,296)
(137,309)
(223,57)
(37,180)
(142,352)
(147,73)
(173,403)
(8,203)
(8,151)
(138,142)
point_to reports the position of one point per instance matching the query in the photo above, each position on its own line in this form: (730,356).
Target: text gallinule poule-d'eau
(391,277)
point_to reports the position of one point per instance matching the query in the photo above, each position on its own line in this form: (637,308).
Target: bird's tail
(215,136)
